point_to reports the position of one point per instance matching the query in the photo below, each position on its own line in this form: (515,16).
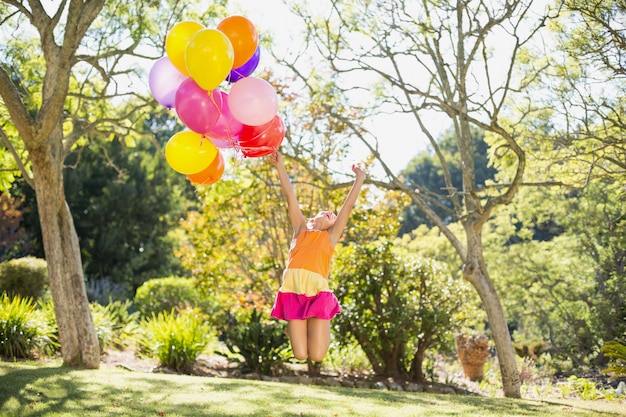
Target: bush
(396,306)
(175,339)
(21,333)
(616,352)
(27,277)
(115,325)
(262,343)
(47,324)
(164,294)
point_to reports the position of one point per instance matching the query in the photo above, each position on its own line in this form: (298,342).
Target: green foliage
(164,294)
(567,288)
(175,339)
(391,301)
(347,357)
(262,343)
(239,237)
(425,171)
(585,388)
(126,243)
(47,322)
(21,334)
(27,277)
(116,326)
(616,352)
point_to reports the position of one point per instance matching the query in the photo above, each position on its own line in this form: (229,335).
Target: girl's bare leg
(298,334)
(318,338)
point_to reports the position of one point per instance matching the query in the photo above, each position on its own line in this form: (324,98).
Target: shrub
(115,325)
(262,343)
(175,339)
(396,306)
(21,335)
(48,331)
(27,277)
(164,294)
(616,352)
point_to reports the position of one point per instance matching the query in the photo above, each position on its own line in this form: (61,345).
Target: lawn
(49,389)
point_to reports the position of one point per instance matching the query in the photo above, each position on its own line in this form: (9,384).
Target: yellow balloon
(189,152)
(176,42)
(209,57)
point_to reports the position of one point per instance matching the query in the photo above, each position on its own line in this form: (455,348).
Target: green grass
(49,389)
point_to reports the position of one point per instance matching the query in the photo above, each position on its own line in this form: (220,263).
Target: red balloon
(262,140)
(211,174)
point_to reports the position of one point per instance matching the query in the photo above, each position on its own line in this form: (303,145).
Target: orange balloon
(211,174)
(243,35)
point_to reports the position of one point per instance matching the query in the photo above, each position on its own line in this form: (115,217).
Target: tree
(453,58)
(64,72)
(566,290)
(580,101)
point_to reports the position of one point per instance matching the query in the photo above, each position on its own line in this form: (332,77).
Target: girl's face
(322,221)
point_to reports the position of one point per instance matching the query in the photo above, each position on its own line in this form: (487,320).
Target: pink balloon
(253,101)
(224,143)
(226,130)
(197,108)
(164,80)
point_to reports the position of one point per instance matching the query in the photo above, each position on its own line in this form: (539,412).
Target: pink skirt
(291,306)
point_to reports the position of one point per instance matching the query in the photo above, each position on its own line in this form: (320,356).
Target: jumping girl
(304,300)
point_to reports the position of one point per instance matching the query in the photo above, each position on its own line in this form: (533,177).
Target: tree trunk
(416,373)
(475,271)
(77,335)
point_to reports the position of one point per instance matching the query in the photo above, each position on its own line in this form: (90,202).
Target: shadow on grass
(44,389)
(22,385)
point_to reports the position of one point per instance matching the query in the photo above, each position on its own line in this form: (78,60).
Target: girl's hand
(275,158)
(359,171)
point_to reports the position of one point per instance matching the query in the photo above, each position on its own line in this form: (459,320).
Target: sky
(396,133)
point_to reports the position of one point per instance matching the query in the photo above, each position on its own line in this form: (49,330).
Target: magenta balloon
(226,130)
(253,101)
(246,69)
(197,108)
(164,80)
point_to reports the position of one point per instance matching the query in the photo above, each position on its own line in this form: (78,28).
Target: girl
(304,300)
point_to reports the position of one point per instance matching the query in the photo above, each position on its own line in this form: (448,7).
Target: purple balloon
(246,69)
(164,80)
(197,108)
(225,133)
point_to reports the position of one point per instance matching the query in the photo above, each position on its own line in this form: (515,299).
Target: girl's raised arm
(298,222)
(336,230)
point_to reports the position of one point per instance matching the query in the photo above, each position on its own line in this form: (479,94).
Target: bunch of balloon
(188,78)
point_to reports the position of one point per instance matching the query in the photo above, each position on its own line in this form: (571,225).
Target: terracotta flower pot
(473,352)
